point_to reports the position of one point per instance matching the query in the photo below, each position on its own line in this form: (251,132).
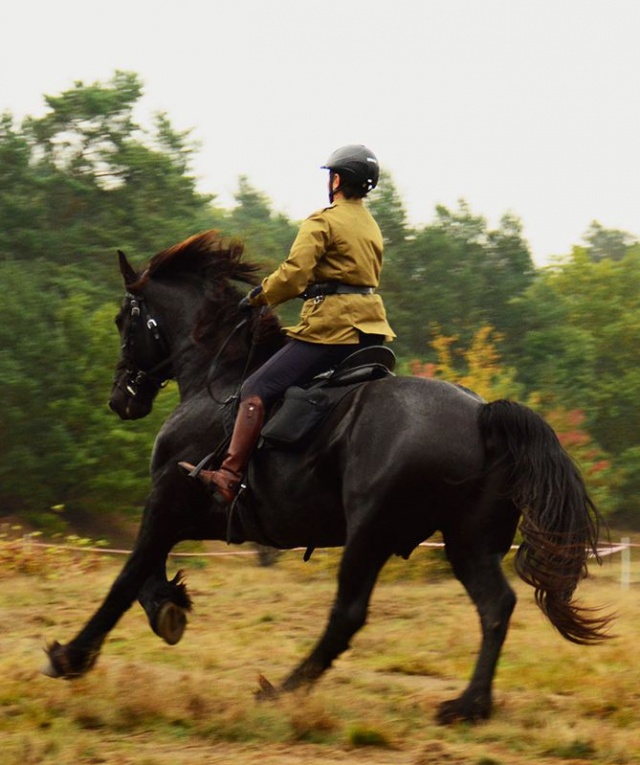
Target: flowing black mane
(217,262)
(215,258)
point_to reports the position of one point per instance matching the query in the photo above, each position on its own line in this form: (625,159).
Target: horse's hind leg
(361,563)
(482,576)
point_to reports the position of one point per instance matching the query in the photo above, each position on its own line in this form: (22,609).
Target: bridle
(142,330)
(142,327)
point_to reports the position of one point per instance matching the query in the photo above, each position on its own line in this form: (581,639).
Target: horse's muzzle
(127,407)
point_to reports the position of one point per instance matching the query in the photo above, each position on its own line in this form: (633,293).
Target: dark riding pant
(296,364)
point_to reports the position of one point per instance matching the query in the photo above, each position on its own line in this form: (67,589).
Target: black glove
(245,304)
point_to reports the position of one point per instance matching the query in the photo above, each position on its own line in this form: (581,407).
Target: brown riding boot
(246,431)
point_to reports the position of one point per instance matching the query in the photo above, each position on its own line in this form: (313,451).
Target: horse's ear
(128,273)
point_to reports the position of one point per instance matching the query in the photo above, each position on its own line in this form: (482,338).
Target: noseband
(144,328)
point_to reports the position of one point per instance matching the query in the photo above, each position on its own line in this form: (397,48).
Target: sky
(521,106)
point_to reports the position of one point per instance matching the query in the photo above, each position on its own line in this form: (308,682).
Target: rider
(334,264)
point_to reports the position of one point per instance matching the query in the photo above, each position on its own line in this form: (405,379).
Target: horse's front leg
(166,604)
(362,560)
(155,540)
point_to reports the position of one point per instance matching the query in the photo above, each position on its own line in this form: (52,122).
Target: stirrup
(215,491)
(224,494)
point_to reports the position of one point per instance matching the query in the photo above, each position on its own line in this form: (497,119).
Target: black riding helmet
(358,164)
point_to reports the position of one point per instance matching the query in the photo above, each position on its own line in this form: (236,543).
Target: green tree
(19,216)
(388,209)
(556,356)
(455,275)
(74,185)
(607,242)
(35,380)
(92,179)
(268,236)
(580,339)
(59,443)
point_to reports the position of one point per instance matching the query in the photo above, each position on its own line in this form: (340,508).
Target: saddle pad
(304,408)
(301,413)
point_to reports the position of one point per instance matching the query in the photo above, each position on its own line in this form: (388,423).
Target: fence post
(625,563)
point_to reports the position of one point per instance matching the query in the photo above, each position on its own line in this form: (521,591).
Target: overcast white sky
(529,106)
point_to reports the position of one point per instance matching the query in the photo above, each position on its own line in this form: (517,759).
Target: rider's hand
(249,299)
(254,293)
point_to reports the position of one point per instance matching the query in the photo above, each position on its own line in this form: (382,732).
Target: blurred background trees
(466,300)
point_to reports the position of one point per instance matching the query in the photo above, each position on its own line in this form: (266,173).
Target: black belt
(320,289)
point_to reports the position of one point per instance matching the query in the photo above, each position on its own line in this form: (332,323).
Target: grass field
(151,704)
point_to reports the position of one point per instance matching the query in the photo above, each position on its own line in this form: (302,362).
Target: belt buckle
(318,299)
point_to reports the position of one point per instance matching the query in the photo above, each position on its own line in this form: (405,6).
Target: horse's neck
(198,367)
(193,360)
(222,378)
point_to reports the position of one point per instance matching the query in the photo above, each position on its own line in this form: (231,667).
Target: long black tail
(560,523)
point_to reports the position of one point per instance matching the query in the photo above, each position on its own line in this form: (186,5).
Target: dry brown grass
(150,704)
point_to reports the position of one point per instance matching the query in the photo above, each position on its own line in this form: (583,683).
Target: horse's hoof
(49,670)
(68,663)
(462,710)
(52,667)
(267,691)
(170,622)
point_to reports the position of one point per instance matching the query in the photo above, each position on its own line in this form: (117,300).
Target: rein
(214,364)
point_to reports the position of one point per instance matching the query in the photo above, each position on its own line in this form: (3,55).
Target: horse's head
(179,313)
(145,358)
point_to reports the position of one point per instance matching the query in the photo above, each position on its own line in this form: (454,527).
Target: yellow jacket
(339,243)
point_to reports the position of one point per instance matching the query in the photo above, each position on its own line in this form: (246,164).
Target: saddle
(303,408)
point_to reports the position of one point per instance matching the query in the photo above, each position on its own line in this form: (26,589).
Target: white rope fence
(604,550)
(28,540)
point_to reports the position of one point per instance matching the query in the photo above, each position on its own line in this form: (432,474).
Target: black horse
(396,460)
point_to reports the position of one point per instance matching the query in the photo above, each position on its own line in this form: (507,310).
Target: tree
(603,477)
(477,367)
(34,383)
(555,356)
(607,243)
(581,332)
(86,179)
(18,191)
(388,209)
(74,185)
(456,275)
(267,236)
(92,179)
(59,444)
